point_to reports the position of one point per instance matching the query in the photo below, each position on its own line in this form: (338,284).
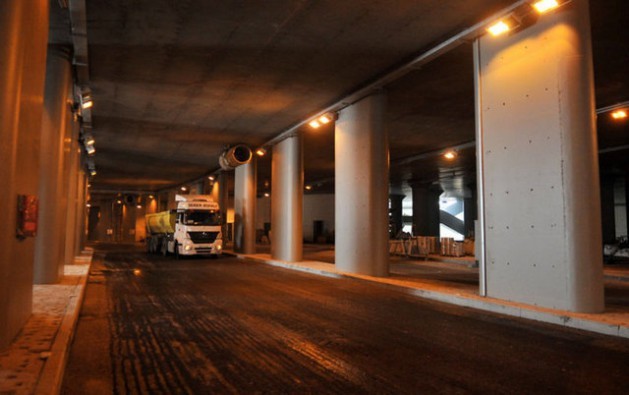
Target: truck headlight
(188,247)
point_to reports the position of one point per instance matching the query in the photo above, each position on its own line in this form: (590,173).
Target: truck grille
(203,237)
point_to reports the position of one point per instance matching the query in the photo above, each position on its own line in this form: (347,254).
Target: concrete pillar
(627,203)
(220,194)
(24,34)
(470,209)
(608,210)
(74,156)
(362,188)
(537,153)
(395,212)
(426,209)
(245,208)
(49,252)
(81,211)
(287,186)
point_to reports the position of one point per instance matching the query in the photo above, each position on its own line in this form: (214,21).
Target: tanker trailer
(194,228)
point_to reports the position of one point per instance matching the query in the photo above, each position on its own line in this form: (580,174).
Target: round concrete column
(396,213)
(627,201)
(50,239)
(287,184)
(245,208)
(220,195)
(362,188)
(608,210)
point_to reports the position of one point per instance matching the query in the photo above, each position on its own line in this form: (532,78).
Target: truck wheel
(165,247)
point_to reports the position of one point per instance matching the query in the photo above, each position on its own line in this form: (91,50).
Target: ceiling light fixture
(183,189)
(450,155)
(504,25)
(308,187)
(211,178)
(543,6)
(266,194)
(90,149)
(88,139)
(261,151)
(619,114)
(322,120)
(498,28)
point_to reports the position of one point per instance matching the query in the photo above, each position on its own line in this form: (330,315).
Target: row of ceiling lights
(87,103)
(512,21)
(504,25)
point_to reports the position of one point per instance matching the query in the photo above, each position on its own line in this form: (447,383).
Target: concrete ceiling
(174,82)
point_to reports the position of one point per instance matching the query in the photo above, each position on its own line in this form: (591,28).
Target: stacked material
(449,247)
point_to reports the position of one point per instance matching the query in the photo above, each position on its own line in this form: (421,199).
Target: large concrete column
(49,253)
(537,149)
(245,208)
(426,209)
(395,211)
(470,209)
(627,203)
(608,210)
(362,188)
(74,156)
(24,34)
(287,186)
(81,211)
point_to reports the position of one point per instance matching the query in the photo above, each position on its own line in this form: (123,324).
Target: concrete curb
(555,317)
(51,376)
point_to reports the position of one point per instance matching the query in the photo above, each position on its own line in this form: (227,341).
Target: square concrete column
(538,163)
(245,208)
(50,244)
(24,37)
(362,188)
(426,213)
(74,162)
(287,186)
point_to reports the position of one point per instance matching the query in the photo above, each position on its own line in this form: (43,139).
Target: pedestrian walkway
(34,362)
(457,283)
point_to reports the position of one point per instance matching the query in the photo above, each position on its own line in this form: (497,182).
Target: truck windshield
(202,218)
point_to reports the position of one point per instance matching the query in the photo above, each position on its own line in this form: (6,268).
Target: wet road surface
(155,325)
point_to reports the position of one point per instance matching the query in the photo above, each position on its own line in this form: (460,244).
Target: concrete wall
(318,208)
(24,35)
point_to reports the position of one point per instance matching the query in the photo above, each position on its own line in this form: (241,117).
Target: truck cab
(197,231)
(194,228)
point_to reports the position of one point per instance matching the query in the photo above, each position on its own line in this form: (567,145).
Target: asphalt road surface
(155,325)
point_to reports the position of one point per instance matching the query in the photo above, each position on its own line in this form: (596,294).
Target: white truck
(194,228)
